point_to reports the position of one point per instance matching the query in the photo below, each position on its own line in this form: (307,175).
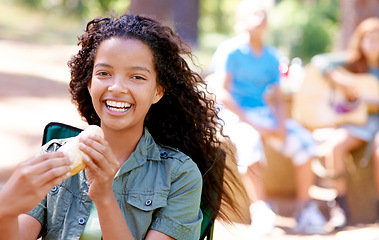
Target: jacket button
(54,189)
(148,202)
(164,154)
(81,221)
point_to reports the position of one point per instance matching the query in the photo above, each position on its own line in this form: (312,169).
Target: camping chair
(56,130)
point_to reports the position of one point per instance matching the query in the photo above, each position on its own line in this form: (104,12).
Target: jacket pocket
(148,200)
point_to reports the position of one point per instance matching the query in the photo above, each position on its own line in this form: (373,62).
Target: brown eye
(102,73)
(137,77)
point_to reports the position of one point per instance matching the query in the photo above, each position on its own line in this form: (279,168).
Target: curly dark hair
(185,118)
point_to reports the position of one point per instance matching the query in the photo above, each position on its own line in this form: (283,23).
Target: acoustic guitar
(318,105)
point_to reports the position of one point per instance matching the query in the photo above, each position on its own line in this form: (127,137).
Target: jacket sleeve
(181,218)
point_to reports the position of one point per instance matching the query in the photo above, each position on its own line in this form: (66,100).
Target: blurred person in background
(362,56)
(246,72)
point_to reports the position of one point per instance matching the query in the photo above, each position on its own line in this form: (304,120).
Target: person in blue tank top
(245,73)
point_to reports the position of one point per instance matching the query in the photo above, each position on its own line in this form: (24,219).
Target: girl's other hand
(102,166)
(31,181)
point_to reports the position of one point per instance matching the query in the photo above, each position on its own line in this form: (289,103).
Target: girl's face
(370,46)
(256,23)
(123,84)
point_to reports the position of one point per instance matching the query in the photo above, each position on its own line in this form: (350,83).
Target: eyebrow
(102,65)
(145,69)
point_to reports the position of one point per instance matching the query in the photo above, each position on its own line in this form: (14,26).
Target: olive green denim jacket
(156,188)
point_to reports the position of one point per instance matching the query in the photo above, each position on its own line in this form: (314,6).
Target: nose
(118,85)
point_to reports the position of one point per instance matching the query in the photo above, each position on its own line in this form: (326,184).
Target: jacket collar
(146,150)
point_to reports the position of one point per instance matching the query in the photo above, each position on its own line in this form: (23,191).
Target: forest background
(299,28)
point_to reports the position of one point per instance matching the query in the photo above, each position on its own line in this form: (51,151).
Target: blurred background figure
(362,56)
(37,37)
(247,71)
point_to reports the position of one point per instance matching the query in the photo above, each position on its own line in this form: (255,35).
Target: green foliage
(299,28)
(304,28)
(80,8)
(52,21)
(216,21)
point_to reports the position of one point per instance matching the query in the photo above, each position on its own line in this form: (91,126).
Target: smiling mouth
(117,106)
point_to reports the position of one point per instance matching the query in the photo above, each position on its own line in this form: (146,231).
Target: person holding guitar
(362,57)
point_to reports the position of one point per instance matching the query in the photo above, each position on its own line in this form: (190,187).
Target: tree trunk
(186,14)
(161,10)
(181,15)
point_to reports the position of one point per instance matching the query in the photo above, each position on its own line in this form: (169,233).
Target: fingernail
(85,158)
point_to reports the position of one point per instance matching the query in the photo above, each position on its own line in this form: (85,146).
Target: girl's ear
(158,94)
(89,86)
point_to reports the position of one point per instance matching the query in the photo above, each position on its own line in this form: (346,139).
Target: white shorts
(298,144)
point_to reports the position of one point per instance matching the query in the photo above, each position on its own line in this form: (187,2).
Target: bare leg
(376,165)
(253,182)
(341,144)
(304,179)
(262,217)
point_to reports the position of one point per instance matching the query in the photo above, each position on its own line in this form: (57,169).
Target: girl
(144,180)
(362,57)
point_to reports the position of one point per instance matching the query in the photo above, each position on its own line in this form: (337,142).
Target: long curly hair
(357,61)
(185,118)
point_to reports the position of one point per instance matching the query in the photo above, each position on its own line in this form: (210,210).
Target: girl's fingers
(90,164)
(48,162)
(53,175)
(96,149)
(55,181)
(33,178)
(89,148)
(99,157)
(43,157)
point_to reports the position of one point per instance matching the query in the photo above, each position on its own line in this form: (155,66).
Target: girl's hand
(102,166)
(351,93)
(31,181)
(344,81)
(279,133)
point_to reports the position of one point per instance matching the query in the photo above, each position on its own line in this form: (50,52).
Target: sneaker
(338,217)
(262,218)
(310,220)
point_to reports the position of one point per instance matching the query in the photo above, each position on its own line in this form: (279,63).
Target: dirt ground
(33,92)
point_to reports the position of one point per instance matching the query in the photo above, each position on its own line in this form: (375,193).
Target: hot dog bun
(71,148)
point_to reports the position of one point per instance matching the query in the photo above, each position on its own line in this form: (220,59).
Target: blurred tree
(304,28)
(182,15)
(217,16)
(353,12)
(159,9)
(186,15)
(79,8)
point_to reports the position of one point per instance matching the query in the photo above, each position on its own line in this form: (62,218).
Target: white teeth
(117,106)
